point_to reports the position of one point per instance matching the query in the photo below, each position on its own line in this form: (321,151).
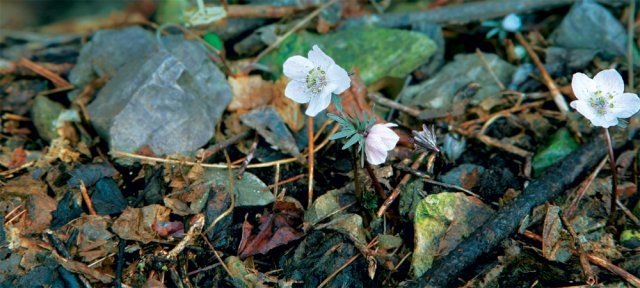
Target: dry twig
(396,192)
(553,88)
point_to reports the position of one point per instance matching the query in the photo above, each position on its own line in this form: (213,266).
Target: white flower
(380,139)
(602,99)
(511,23)
(313,79)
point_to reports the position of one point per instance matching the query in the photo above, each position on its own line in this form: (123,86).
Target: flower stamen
(600,103)
(316,80)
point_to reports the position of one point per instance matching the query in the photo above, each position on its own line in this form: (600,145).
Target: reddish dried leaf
(469,180)
(164,229)
(275,230)
(18,158)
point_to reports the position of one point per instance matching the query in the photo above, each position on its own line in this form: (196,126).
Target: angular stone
(170,101)
(110,50)
(438,92)
(589,25)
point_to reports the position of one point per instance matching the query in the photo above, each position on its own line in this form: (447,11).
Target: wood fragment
(490,70)
(346,264)
(58,81)
(81,268)
(262,11)
(506,221)
(295,28)
(87,199)
(553,88)
(604,263)
(396,192)
(460,14)
(209,152)
(583,188)
(196,226)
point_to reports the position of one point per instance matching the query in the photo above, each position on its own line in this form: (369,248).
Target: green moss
(561,145)
(375,52)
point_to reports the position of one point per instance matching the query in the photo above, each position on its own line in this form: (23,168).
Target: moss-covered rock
(376,52)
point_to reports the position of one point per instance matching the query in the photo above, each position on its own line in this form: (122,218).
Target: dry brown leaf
(288,109)
(250,92)
(136,223)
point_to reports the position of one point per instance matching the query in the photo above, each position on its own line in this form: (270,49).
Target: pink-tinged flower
(314,79)
(602,99)
(380,139)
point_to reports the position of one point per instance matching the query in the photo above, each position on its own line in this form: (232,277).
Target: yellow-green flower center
(316,80)
(601,103)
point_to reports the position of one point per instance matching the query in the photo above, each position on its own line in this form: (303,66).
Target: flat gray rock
(169,100)
(110,50)
(438,92)
(588,25)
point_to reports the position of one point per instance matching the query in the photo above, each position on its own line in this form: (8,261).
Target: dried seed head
(425,140)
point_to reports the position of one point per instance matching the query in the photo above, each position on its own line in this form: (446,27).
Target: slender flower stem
(614,178)
(356,178)
(311,159)
(374,179)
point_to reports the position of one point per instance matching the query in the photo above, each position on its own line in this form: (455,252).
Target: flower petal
(609,82)
(585,109)
(603,122)
(320,102)
(296,91)
(388,138)
(340,77)
(319,58)
(375,155)
(625,105)
(583,86)
(297,67)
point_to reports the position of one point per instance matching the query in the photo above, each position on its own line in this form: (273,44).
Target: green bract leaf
(342,134)
(353,140)
(336,102)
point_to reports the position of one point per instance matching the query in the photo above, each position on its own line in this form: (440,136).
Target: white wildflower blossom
(314,79)
(511,23)
(602,99)
(379,140)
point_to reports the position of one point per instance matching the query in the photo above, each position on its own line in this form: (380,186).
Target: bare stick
(461,14)
(294,29)
(206,154)
(87,199)
(628,213)
(396,192)
(347,263)
(583,188)
(553,89)
(192,233)
(490,70)
(604,263)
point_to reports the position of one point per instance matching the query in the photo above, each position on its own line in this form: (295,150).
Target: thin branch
(553,89)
